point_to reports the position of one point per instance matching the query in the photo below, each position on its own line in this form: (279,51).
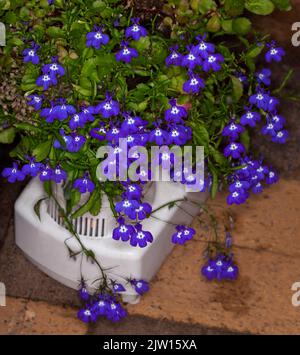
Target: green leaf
(37,207)
(237,88)
(205,5)
(241,26)
(7,136)
(217,156)
(215,180)
(55,32)
(213,24)
(82,91)
(227,26)
(283,5)
(201,134)
(255,51)
(94,197)
(23,126)
(41,152)
(245,139)
(260,7)
(96,208)
(234,7)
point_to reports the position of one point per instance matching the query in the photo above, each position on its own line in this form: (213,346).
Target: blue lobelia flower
(272,104)
(131,123)
(179,134)
(182,235)
(280,136)
(194,84)
(35,101)
(48,113)
(126,54)
(108,107)
(175,58)
(203,49)
(86,114)
(269,129)
(136,31)
(30,54)
(209,271)
(53,69)
(115,311)
(96,38)
(59,175)
(140,237)
(87,315)
(257,189)
(32,168)
(140,286)
(159,136)
(212,62)
(234,150)
(133,191)
(46,173)
(277,121)
(229,271)
(232,130)
(117,288)
(77,121)
(62,110)
(76,143)
(123,231)
(98,133)
(274,53)
(175,113)
(84,184)
(100,307)
(113,134)
(239,185)
(237,197)
(250,118)
(68,141)
(272,177)
(263,76)
(260,99)
(13,174)
(83,292)
(261,171)
(143,211)
(128,207)
(191,60)
(46,81)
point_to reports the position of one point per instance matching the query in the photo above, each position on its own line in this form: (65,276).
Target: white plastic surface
(43,240)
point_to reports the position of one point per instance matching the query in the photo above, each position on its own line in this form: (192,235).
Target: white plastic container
(43,240)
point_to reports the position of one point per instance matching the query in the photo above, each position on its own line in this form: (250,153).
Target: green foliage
(144,86)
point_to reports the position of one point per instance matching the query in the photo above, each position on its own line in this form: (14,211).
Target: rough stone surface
(23,317)
(23,279)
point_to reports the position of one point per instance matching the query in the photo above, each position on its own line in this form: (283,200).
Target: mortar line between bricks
(258,250)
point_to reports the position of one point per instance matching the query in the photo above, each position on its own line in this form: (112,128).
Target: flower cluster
(98,38)
(107,304)
(220,268)
(33,169)
(250,177)
(201,56)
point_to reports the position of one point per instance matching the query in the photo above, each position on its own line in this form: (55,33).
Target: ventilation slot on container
(84,226)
